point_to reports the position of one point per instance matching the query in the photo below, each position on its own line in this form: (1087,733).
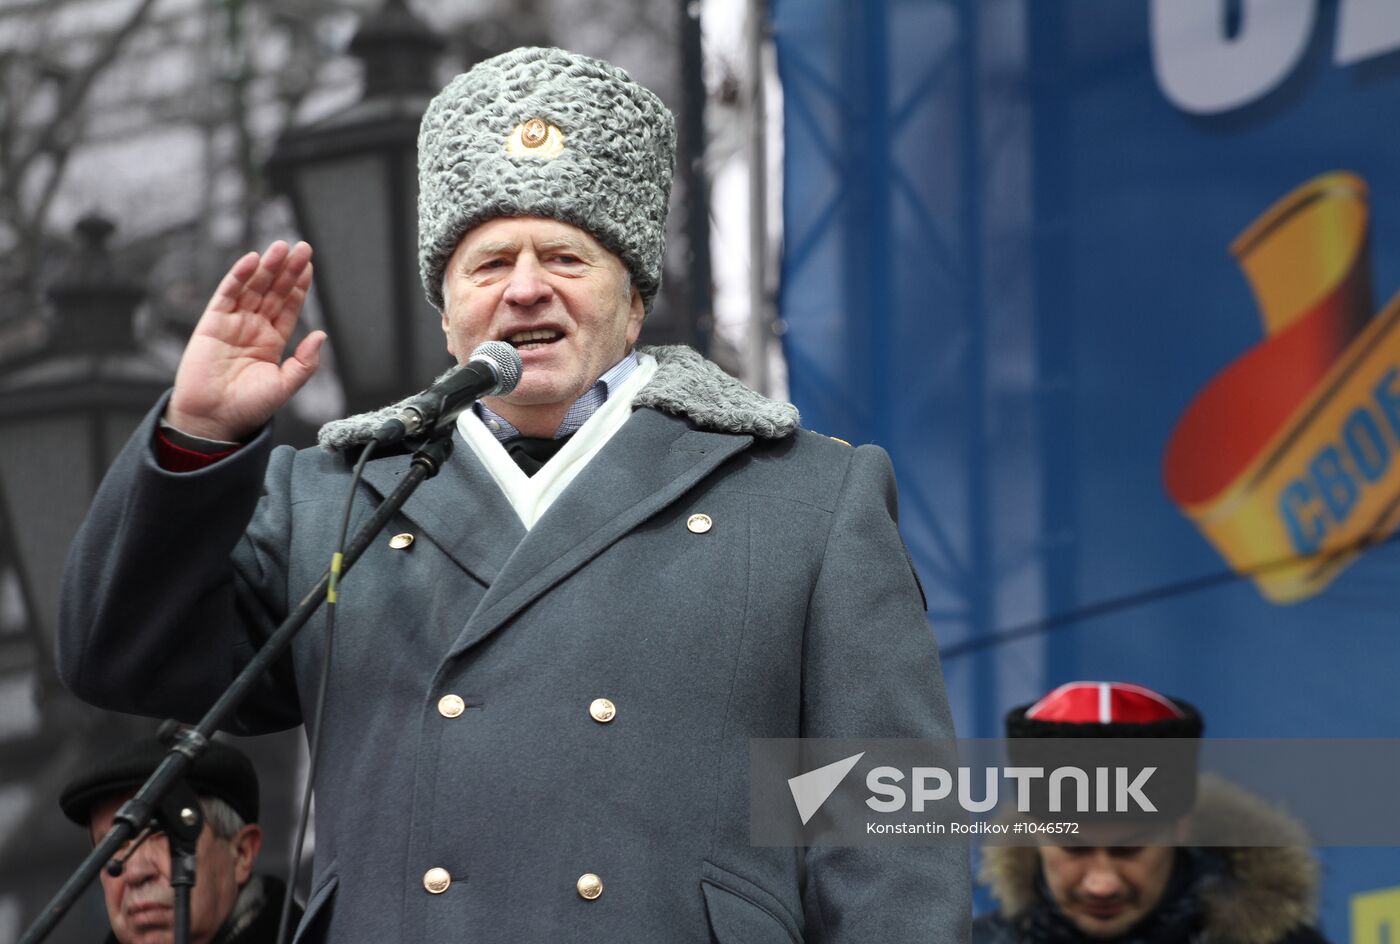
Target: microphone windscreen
(504,360)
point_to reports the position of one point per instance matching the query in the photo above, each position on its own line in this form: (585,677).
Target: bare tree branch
(76,89)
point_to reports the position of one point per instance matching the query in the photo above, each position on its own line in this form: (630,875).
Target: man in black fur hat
(1128,890)
(228,903)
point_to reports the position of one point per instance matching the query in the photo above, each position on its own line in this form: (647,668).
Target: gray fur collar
(685,385)
(1270,892)
(689,386)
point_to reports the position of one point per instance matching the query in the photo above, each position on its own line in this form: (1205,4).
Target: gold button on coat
(437,880)
(602,710)
(450,706)
(699,524)
(400,541)
(589,886)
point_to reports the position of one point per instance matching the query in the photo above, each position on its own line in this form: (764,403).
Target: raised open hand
(232,377)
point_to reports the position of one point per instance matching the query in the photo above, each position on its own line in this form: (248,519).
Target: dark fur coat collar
(1256,895)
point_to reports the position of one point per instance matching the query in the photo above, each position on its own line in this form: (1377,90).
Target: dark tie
(531,454)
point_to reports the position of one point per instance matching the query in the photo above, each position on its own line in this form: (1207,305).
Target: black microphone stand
(182,820)
(189,744)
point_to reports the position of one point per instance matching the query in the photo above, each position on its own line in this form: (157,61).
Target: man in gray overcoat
(548,671)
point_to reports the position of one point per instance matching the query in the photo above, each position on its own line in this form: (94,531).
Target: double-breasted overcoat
(464,744)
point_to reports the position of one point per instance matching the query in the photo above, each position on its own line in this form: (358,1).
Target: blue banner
(1117,284)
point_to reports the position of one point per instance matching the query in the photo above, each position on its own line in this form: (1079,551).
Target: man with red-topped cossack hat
(1127,891)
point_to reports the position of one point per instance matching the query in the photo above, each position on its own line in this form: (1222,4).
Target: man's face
(553,292)
(141,902)
(1105,890)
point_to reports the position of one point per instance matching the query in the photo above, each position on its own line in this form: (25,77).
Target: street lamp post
(352,181)
(65,413)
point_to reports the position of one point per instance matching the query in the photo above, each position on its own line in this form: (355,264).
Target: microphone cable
(314,750)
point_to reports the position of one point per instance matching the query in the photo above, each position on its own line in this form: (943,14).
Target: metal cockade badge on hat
(535,138)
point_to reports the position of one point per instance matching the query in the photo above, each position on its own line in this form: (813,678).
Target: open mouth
(533,340)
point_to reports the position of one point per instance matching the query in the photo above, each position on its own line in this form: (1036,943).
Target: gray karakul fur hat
(544,132)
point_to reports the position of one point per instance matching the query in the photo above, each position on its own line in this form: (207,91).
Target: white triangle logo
(810,790)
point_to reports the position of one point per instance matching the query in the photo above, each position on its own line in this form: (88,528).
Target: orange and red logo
(1288,461)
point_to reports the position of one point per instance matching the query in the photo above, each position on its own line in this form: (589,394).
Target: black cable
(1153,594)
(315,747)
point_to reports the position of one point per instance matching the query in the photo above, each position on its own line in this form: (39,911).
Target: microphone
(493,370)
